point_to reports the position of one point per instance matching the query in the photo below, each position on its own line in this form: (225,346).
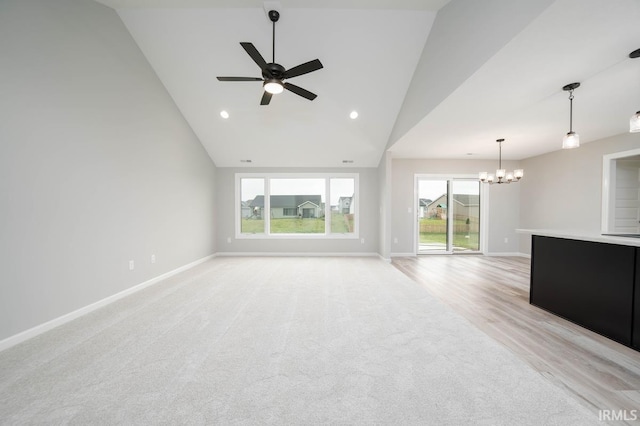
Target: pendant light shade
(571,139)
(634,123)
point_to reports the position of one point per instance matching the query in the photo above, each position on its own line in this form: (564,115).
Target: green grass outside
(252,226)
(339,223)
(296,225)
(459,239)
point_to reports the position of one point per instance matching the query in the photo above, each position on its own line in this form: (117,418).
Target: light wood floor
(493,294)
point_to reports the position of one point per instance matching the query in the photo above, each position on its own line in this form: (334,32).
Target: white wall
(384,193)
(97,165)
(368,207)
(504,202)
(563,189)
(465,34)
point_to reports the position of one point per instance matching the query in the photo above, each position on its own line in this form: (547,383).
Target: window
(296,205)
(306,197)
(252,206)
(342,194)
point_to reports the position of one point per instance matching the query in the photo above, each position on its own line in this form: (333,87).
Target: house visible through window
(251,220)
(279,205)
(343,216)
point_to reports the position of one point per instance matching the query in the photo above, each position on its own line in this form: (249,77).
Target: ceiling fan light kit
(274,74)
(273,86)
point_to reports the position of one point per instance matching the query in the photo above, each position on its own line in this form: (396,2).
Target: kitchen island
(590,279)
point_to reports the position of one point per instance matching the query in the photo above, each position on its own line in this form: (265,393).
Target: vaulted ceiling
(428,78)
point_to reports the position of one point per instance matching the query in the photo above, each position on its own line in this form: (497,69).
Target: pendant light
(501,176)
(634,121)
(571,139)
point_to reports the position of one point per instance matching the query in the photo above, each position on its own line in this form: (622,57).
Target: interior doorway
(448,215)
(621,192)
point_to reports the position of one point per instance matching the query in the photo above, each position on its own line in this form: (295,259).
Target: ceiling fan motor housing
(273,71)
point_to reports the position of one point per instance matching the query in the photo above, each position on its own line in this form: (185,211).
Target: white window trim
(327,235)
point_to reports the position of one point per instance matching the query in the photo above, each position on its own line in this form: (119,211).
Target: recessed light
(224,114)
(353,115)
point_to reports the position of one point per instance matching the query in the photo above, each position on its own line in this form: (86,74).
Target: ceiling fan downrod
(274,15)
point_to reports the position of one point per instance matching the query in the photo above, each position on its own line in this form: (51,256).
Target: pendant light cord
(273,47)
(570,111)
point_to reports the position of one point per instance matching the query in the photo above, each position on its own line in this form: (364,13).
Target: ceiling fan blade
(239,78)
(255,55)
(300,91)
(305,68)
(266,98)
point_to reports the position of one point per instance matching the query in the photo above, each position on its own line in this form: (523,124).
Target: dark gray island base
(593,284)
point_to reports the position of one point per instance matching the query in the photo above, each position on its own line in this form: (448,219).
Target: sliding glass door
(448,211)
(433,198)
(465,212)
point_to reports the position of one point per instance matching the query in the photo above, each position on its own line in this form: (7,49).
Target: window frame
(267,235)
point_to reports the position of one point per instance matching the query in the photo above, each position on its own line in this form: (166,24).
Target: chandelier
(501,175)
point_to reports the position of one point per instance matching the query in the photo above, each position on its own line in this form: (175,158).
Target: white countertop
(582,235)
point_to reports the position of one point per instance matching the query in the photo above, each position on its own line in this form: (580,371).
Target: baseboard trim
(403,255)
(295,254)
(49,325)
(469,254)
(518,254)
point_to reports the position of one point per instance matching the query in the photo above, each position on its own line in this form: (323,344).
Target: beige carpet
(277,341)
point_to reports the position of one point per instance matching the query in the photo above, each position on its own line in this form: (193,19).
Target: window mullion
(327,206)
(267,206)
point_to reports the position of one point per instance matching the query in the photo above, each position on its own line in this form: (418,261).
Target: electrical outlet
(362,240)
(229,240)
(395,240)
(153,258)
(131,265)
(506,240)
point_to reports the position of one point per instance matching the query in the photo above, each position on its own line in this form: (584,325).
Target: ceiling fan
(273,74)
